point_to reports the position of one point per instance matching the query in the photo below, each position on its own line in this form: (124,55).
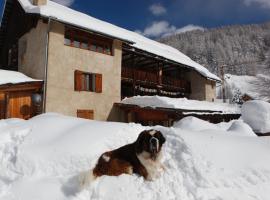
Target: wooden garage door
(19,105)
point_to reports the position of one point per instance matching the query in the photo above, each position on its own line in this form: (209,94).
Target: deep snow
(256,113)
(42,158)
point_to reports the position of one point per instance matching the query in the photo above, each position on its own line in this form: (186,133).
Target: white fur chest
(154,167)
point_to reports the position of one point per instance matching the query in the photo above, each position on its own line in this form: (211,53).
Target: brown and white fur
(141,157)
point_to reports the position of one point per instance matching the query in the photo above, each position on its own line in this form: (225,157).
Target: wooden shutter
(78,77)
(86,114)
(98,83)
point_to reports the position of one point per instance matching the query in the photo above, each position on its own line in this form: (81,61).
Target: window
(84,40)
(86,114)
(84,81)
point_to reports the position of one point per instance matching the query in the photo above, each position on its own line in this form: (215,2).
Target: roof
(184,104)
(69,16)
(13,77)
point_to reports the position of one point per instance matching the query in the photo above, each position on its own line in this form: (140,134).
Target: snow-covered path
(42,158)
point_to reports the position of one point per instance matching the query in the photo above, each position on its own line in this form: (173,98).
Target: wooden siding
(86,114)
(2,106)
(19,105)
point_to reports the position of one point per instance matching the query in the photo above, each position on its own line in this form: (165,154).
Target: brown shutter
(78,76)
(98,83)
(86,114)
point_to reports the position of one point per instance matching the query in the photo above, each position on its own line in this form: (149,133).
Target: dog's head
(150,141)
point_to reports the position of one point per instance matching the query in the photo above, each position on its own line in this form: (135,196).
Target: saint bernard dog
(141,157)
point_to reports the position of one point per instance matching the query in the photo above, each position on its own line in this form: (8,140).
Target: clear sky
(156,18)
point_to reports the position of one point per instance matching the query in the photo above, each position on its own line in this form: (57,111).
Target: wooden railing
(152,78)
(139,75)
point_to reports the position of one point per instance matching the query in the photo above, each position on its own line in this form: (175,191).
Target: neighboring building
(20,96)
(88,65)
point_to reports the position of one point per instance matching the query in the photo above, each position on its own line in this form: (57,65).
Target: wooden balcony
(140,77)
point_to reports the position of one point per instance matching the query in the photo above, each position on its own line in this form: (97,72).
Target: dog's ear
(160,137)
(139,142)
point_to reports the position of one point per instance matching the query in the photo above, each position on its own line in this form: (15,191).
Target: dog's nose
(154,143)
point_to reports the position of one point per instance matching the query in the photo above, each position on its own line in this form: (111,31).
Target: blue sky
(156,18)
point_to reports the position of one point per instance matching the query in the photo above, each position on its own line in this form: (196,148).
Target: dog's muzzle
(154,145)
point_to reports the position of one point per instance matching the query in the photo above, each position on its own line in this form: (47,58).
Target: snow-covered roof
(13,77)
(182,103)
(67,15)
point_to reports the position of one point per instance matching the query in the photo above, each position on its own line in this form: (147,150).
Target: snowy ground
(41,159)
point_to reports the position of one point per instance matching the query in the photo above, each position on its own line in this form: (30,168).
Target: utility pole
(223,83)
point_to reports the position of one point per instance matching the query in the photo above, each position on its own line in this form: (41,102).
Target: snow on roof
(13,77)
(181,103)
(70,16)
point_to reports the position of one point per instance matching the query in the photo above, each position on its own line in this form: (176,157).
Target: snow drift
(42,158)
(257,114)
(236,127)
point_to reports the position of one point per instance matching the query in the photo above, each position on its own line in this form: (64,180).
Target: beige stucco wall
(32,49)
(210,90)
(64,60)
(201,88)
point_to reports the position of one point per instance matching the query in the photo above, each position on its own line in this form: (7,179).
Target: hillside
(242,49)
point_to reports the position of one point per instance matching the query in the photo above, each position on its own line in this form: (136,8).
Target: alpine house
(88,65)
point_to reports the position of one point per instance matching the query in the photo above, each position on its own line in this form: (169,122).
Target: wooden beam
(21,86)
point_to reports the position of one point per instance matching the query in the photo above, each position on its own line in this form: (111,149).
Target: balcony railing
(150,78)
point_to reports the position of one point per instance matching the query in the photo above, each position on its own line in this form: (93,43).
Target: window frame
(102,45)
(88,82)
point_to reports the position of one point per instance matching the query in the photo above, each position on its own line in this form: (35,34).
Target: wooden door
(19,105)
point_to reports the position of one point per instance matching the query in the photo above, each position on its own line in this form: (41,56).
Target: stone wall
(201,88)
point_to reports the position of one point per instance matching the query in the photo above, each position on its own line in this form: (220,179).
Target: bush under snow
(42,158)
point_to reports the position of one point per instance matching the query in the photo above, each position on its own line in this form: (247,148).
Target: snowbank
(42,158)
(257,114)
(236,127)
(195,124)
(240,128)
(7,76)
(70,16)
(181,103)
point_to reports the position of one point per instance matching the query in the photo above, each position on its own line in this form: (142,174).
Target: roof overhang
(23,86)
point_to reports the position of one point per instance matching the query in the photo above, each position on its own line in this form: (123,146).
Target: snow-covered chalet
(88,65)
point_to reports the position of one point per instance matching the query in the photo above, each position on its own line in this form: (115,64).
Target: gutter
(46,66)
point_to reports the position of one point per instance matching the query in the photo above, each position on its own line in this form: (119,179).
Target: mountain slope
(242,49)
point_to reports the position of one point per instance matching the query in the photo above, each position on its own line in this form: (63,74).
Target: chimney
(39,2)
